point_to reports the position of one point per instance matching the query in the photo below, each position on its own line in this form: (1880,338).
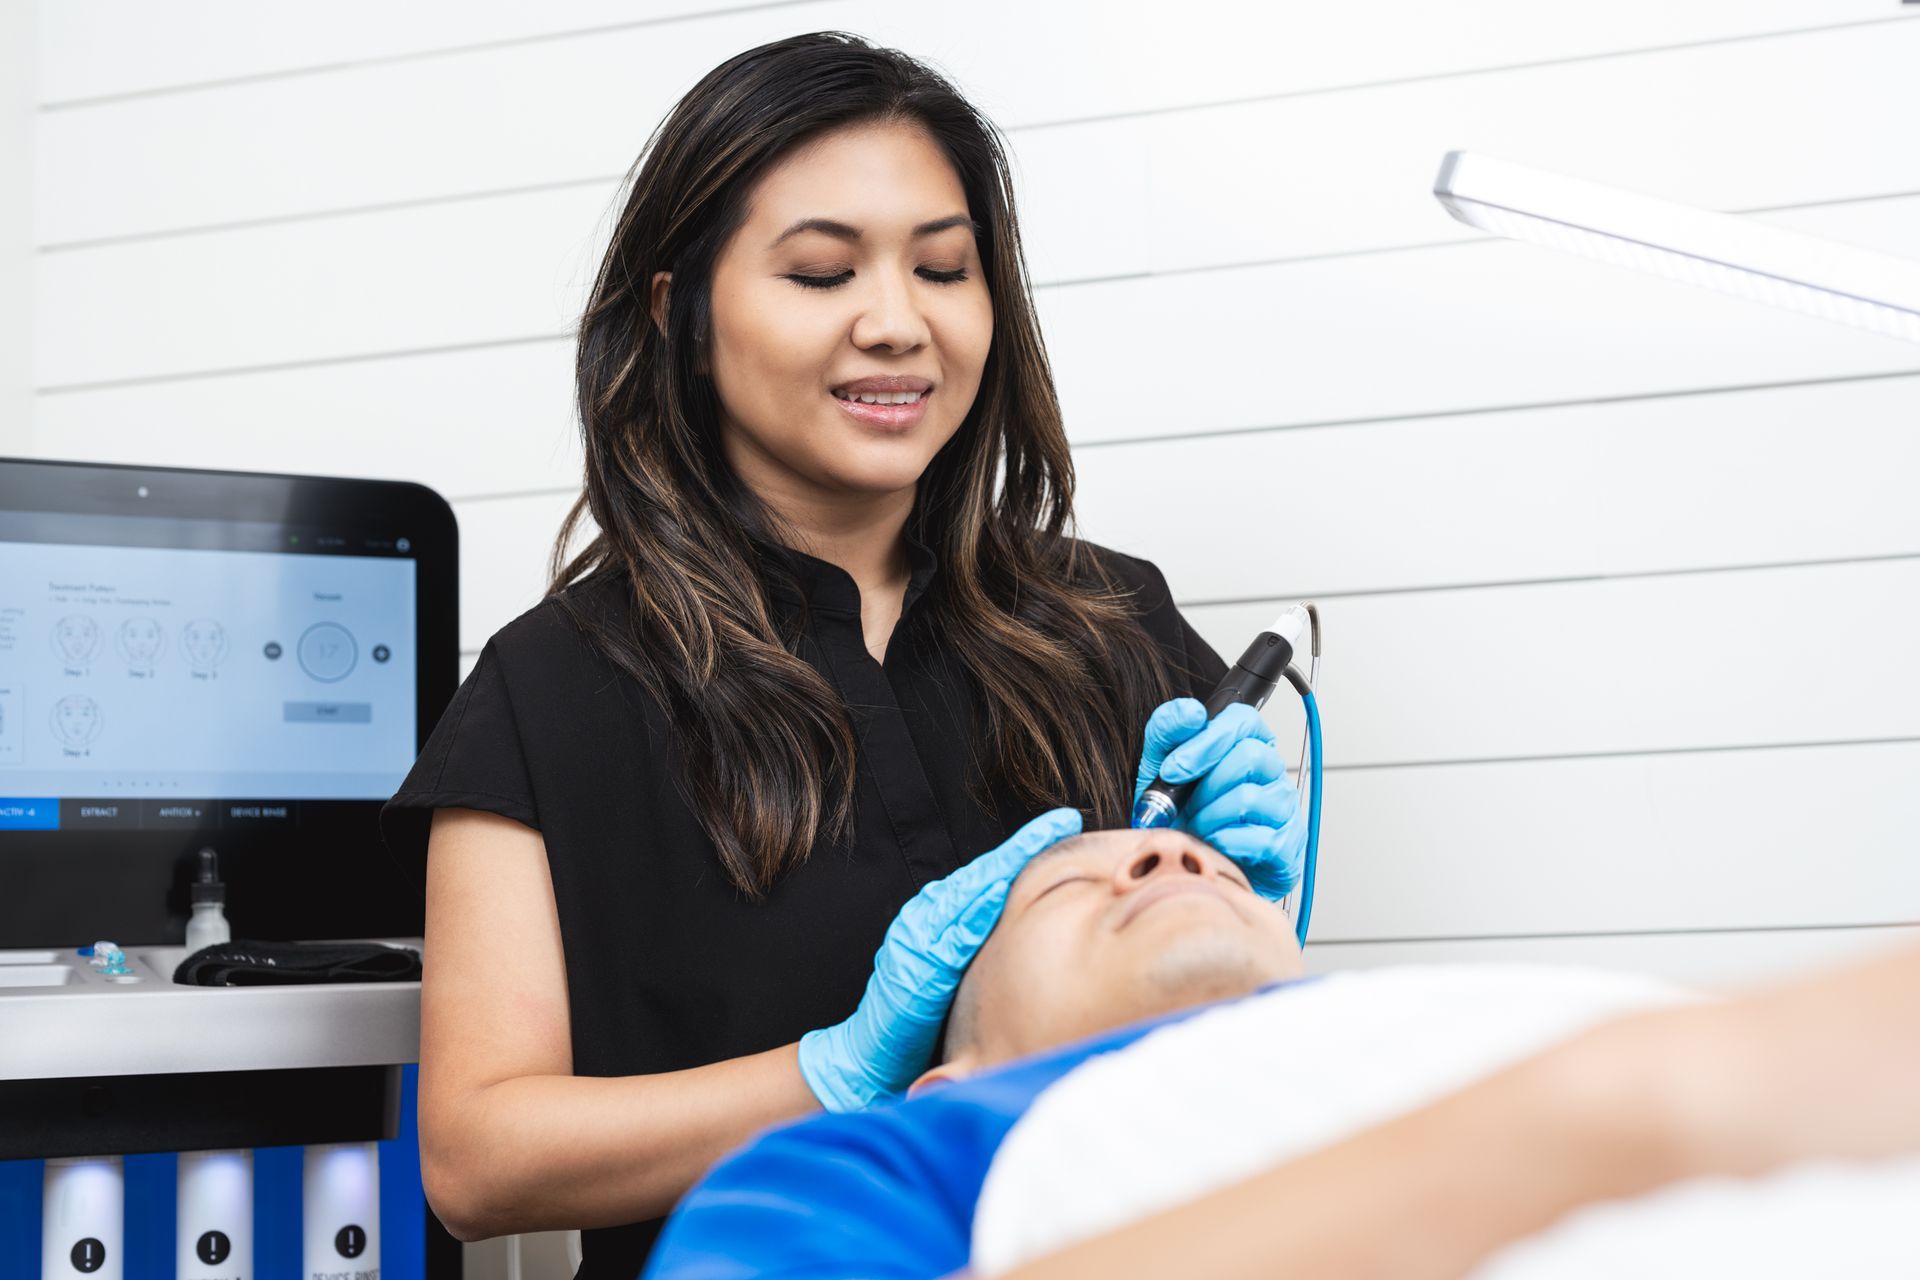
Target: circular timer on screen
(327,652)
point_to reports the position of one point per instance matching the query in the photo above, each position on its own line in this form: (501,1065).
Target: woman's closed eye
(830,282)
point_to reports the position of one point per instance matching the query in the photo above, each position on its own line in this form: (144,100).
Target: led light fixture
(1719,250)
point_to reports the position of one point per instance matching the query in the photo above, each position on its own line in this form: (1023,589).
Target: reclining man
(1138,1080)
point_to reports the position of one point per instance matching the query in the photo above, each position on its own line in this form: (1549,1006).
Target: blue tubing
(1313,818)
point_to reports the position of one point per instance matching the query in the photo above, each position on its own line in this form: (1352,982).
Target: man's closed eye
(1057,883)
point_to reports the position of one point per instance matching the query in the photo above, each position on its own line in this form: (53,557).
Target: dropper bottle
(208,925)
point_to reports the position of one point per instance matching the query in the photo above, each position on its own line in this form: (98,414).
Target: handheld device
(1252,680)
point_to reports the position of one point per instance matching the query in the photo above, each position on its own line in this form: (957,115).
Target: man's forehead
(1085,843)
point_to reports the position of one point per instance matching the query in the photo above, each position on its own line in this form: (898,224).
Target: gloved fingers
(1270,858)
(889,1038)
(1266,805)
(1172,723)
(1248,760)
(942,901)
(1005,862)
(953,950)
(1200,753)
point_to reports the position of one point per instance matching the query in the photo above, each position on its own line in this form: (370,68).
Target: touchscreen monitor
(193,659)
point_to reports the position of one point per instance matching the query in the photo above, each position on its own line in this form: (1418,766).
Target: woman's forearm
(540,1153)
(1421,1197)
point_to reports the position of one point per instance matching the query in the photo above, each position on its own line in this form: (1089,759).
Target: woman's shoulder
(1140,577)
(558,631)
(1195,664)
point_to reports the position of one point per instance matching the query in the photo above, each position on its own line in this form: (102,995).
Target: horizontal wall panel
(385,133)
(104,47)
(1818,654)
(488,420)
(1450,329)
(1257,179)
(1710,840)
(1352,172)
(1751,477)
(1707,961)
(369,285)
(1455,328)
(120,46)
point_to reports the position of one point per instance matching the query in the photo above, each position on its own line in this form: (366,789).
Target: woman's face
(893,300)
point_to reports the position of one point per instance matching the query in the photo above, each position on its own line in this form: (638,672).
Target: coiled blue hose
(1313,816)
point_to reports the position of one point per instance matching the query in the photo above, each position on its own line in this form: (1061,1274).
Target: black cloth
(668,966)
(276,964)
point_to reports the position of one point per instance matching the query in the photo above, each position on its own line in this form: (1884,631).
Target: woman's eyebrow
(841,231)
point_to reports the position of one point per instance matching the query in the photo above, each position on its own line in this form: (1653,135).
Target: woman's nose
(1161,855)
(892,319)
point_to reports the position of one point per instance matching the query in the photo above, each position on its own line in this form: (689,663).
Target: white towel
(1209,1101)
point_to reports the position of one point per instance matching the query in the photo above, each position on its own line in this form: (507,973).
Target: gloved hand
(1244,805)
(876,1053)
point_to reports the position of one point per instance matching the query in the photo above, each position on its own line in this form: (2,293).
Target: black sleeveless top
(668,966)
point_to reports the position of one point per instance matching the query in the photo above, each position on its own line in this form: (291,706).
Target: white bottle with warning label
(213,1239)
(340,1203)
(83,1208)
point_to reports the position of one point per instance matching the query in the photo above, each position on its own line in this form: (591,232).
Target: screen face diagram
(203,683)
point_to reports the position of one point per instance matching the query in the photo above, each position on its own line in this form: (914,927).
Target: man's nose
(1161,855)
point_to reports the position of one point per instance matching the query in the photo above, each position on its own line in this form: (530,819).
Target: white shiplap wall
(1617,574)
(16,228)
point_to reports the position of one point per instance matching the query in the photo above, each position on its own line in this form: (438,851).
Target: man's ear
(657,303)
(946,1073)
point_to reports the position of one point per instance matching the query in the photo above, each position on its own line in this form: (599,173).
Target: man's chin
(1201,965)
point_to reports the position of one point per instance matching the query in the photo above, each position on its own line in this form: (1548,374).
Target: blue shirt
(882,1194)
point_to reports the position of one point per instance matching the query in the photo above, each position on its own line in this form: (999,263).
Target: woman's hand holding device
(1244,804)
(876,1053)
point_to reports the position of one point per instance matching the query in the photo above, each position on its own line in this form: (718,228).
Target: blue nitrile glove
(889,1040)
(1244,805)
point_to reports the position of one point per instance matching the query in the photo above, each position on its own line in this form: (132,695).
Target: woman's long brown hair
(1065,675)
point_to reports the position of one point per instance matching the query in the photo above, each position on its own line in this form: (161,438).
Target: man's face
(1112,927)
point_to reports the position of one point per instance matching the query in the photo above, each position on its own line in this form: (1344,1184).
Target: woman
(805,691)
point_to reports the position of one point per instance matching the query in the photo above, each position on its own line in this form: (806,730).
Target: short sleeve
(474,759)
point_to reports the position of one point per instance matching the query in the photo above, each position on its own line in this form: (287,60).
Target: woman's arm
(510,1139)
(1820,1069)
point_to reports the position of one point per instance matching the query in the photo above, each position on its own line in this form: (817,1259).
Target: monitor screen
(208,659)
(195,673)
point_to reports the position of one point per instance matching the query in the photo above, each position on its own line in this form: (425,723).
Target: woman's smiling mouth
(878,410)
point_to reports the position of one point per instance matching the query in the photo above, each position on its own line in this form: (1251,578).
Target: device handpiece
(1252,681)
